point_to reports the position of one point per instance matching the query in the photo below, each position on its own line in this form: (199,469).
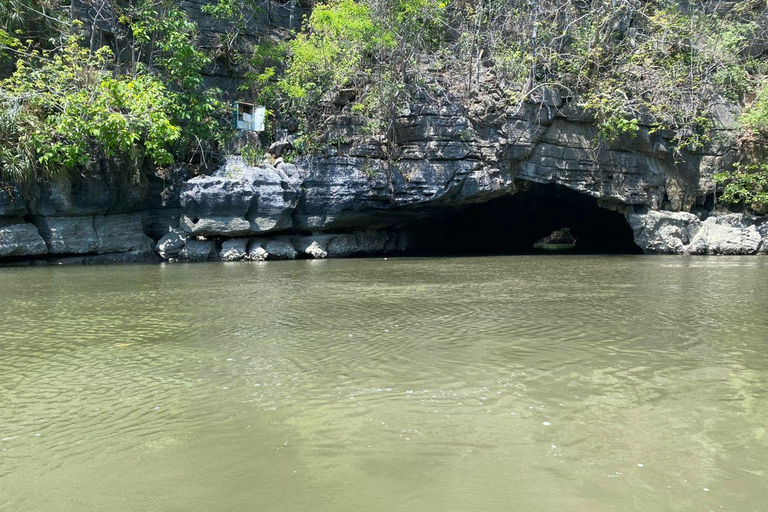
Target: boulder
(314,246)
(683,233)
(171,243)
(663,232)
(20,239)
(234,250)
(239,200)
(256,251)
(726,234)
(280,249)
(198,250)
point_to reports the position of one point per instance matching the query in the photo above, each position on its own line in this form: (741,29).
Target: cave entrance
(513,224)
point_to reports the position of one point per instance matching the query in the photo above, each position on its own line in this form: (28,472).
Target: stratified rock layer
(356,197)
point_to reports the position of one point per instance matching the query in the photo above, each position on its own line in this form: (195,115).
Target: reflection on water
(489,384)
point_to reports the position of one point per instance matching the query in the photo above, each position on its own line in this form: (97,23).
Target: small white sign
(258,121)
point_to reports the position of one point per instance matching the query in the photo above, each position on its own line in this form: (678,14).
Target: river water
(528,383)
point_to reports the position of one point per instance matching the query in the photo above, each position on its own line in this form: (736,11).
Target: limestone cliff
(356,198)
(360,195)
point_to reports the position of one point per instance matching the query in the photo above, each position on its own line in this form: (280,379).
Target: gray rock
(726,234)
(219,225)
(663,232)
(239,200)
(171,243)
(280,147)
(547,96)
(446,156)
(68,235)
(372,242)
(234,250)
(343,246)
(256,251)
(198,250)
(280,249)
(683,233)
(11,202)
(762,228)
(313,246)
(121,257)
(94,234)
(121,233)
(20,240)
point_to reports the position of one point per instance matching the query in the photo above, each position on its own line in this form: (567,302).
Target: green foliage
(755,116)
(165,44)
(614,114)
(267,58)
(35,22)
(253,156)
(746,185)
(366,45)
(235,16)
(330,51)
(660,61)
(57,111)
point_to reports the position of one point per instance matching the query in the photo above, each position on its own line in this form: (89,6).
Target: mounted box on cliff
(247,117)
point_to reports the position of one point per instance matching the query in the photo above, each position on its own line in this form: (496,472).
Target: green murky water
(488,384)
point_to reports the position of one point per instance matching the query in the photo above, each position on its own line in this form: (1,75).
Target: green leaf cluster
(367,45)
(746,185)
(59,110)
(755,116)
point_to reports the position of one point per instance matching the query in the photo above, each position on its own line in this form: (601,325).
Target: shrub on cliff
(59,110)
(747,186)
(371,46)
(66,103)
(661,63)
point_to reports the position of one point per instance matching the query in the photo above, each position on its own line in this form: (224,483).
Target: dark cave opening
(513,224)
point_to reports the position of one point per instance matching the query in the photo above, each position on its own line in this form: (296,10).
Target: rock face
(240,200)
(105,214)
(20,239)
(197,250)
(683,233)
(358,196)
(447,157)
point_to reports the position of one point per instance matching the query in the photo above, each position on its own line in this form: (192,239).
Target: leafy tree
(58,110)
(163,42)
(746,185)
